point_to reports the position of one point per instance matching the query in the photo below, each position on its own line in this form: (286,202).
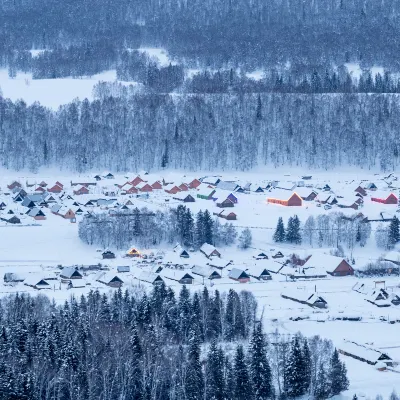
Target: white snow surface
(51,92)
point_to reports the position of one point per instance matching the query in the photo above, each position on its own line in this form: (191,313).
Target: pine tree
(199,234)
(321,388)
(294,368)
(307,367)
(260,372)
(242,382)
(245,239)
(208,227)
(184,308)
(214,372)
(214,326)
(293,230)
(337,375)
(229,329)
(194,385)
(279,235)
(394,232)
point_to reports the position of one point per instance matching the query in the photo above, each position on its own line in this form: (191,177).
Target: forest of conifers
(157,346)
(209,132)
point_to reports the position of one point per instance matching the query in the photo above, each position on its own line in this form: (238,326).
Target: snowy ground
(38,249)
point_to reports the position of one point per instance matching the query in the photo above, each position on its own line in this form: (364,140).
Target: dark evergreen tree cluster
(245,33)
(156,345)
(305,376)
(292,232)
(147,229)
(394,232)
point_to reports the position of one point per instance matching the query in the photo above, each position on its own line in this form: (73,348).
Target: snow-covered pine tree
(245,239)
(307,364)
(322,387)
(279,235)
(194,385)
(293,234)
(208,227)
(394,232)
(294,368)
(242,381)
(215,387)
(199,233)
(260,371)
(337,375)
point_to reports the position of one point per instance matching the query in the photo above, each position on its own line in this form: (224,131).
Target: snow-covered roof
(207,248)
(360,351)
(392,256)
(304,191)
(231,186)
(205,271)
(328,262)
(235,273)
(175,274)
(281,194)
(148,276)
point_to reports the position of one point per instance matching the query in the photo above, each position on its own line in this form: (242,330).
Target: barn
(364,353)
(81,190)
(260,273)
(306,194)
(172,189)
(194,184)
(70,273)
(181,276)
(110,279)
(335,266)
(226,203)
(239,275)
(184,197)
(285,198)
(209,251)
(206,272)
(157,185)
(385,198)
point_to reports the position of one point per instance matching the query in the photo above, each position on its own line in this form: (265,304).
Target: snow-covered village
(199,200)
(319,253)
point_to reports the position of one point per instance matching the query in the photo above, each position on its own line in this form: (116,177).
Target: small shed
(123,268)
(108,255)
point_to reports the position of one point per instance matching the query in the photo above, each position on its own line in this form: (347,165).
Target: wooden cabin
(285,198)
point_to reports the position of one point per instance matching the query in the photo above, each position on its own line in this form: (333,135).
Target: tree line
(156,345)
(202,132)
(148,229)
(206,33)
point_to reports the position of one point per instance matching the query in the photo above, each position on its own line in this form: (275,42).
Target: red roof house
(384,198)
(55,189)
(184,187)
(136,181)
(194,184)
(82,190)
(157,185)
(285,198)
(172,189)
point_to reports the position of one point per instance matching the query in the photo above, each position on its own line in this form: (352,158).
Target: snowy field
(38,247)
